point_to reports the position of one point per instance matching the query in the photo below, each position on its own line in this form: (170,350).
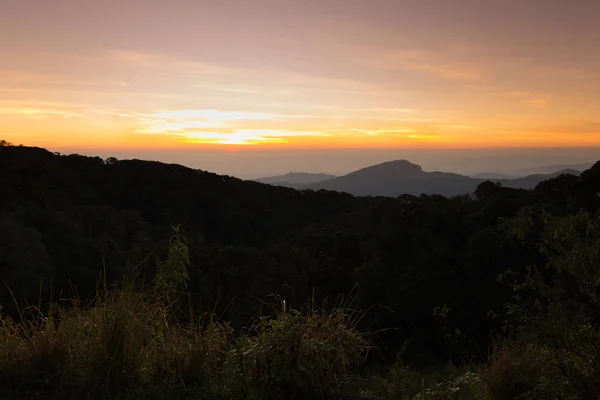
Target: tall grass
(307,354)
(125,341)
(514,370)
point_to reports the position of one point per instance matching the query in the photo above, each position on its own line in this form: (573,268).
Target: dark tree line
(423,268)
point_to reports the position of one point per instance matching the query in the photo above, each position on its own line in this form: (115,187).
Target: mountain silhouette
(394,178)
(530,181)
(295,178)
(491,176)
(550,169)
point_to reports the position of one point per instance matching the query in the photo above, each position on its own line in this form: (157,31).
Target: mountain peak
(396,167)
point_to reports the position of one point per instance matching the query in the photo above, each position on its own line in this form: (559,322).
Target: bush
(298,355)
(406,383)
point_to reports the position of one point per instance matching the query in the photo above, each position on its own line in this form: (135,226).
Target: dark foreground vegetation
(266,292)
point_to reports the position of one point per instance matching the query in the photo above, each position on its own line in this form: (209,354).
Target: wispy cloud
(267,78)
(38,110)
(219,127)
(244,137)
(432,63)
(515,93)
(23,79)
(536,103)
(573,127)
(423,137)
(392,110)
(529,99)
(465,127)
(167,62)
(375,132)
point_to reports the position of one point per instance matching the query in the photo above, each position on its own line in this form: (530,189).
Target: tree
(24,263)
(558,306)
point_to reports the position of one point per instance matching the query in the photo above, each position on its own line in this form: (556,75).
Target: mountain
(550,169)
(530,181)
(295,178)
(491,176)
(394,178)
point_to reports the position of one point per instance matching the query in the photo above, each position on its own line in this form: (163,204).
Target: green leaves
(172,275)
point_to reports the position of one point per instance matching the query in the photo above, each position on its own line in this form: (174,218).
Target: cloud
(268,81)
(37,110)
(581,127)
(466,127)
(535,100)
(22,79)
(167,62)
(218,127)
(432,63)
(214,115)
(244,137)
(515,93)
(423,137)
(393,110)
(376,132)
(536,103)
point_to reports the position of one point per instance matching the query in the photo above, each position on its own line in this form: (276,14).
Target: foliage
(298,355)
(446,383)
(120,345)
(507,266)
(557,307)
(172,275)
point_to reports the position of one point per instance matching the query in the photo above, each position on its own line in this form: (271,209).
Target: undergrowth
(127,343)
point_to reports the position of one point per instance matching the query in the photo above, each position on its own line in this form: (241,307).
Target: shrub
(297,355)
(406,383)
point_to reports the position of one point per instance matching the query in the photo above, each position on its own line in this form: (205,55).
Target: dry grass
(127,342)
(513,371)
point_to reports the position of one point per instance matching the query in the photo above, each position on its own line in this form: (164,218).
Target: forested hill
(65,218)
(226,209)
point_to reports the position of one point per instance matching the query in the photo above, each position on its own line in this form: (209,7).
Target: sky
(255,87)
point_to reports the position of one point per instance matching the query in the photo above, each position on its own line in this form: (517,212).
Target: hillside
(163,193)
(421,271)
(75,214)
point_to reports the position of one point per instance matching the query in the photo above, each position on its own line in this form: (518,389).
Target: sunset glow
(299,74)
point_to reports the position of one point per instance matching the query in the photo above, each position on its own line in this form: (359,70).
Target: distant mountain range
(492,175)
(295,178)
(395,178)
(553,168)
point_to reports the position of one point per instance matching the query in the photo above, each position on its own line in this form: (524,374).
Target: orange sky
(299,74)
